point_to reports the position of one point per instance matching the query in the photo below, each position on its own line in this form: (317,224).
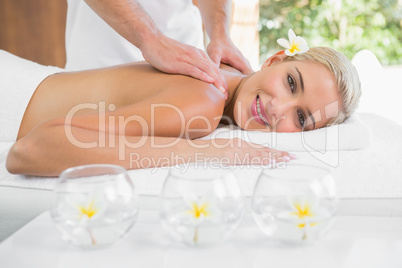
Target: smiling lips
(258,112)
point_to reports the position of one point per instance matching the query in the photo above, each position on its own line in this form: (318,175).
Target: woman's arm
(54,146)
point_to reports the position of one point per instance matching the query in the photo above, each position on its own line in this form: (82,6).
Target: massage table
(364,153)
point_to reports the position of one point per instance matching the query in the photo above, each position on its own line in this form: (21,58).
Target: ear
(278,57)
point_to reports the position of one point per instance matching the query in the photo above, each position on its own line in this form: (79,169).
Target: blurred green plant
(347,26)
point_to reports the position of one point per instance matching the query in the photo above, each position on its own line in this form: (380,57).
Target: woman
(121,114)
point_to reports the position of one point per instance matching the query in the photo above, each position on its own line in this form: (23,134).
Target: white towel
(19,79)
(353,134)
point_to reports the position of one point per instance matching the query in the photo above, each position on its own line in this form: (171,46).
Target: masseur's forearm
(216,17)
(128,18)
(132,22)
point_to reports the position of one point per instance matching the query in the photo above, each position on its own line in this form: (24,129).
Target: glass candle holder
(296,204)
(201,206)
(94,205)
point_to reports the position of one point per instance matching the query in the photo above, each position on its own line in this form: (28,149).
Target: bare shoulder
(199,105)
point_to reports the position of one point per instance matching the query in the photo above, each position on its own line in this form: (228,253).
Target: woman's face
(287,96)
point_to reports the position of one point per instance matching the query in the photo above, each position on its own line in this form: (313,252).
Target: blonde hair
(345,74)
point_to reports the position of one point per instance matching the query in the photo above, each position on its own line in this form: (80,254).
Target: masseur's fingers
(199,74)
(207,66)
(171,56)
(224,51)
(239,62)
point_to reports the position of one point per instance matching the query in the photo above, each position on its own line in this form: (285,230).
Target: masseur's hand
(171,56)
(224,51)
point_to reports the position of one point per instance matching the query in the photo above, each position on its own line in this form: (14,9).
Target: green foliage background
(346,25)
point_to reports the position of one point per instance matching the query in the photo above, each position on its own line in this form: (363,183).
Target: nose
(280,107)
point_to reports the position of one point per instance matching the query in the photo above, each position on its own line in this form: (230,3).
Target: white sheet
(371,173)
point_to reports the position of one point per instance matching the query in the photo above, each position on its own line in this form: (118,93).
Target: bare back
(128,88)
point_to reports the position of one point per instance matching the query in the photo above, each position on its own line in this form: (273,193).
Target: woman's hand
(240,152)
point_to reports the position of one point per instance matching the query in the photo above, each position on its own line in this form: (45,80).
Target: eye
(301,118)
(291,82)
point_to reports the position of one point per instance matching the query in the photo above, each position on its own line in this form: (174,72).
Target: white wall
(381,87)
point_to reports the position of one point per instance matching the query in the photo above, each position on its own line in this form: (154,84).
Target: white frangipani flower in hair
(295,45)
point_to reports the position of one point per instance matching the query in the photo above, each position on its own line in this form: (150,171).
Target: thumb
(241,64)
(215,55)
(216,58)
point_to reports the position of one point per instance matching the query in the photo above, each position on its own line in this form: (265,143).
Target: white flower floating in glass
(296,204)
(305,217)
(295,44)
(83,210)
(201,206)
(94,205)
(200,210)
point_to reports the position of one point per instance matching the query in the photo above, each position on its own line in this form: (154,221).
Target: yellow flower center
(88,211)
(294,47)
(197,210)
(302,211)
(302,225)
